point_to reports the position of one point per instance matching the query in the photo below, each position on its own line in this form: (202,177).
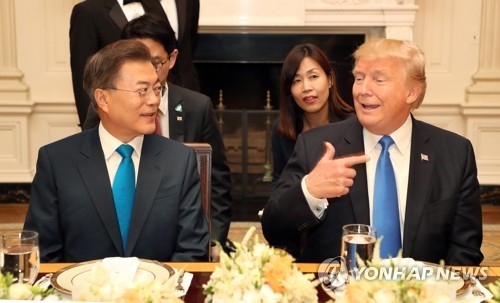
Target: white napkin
(123,269)
(468,297)
(186,282)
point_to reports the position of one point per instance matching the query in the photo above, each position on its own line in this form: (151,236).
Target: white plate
(65,279)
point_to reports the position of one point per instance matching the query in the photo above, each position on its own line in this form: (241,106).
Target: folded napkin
(121,269)
(186,282)
(469,297)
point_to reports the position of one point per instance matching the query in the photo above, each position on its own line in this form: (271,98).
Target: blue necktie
(123,190)
(385,203)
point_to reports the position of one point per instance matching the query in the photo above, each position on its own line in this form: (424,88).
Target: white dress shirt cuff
(318,206)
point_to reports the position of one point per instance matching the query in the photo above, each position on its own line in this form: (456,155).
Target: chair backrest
(204,158)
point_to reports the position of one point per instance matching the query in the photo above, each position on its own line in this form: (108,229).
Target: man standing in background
(97,23)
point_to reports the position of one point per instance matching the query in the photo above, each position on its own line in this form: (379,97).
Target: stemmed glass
(20,256)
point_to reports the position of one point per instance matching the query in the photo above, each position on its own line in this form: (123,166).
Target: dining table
(202,270)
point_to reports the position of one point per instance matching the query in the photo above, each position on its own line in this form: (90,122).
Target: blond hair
(406,51)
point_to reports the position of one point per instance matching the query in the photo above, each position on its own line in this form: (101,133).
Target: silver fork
(179,287)
(44,281)
(475,292)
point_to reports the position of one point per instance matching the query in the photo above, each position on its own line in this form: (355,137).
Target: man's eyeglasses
(158,65)
(142,91)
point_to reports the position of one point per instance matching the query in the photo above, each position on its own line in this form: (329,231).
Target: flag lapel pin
(424,157)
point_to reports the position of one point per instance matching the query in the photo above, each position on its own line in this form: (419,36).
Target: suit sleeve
(467,233)
(194,27)
(83,43)
(287,215)
(221,177)
(193,237)
(43,215)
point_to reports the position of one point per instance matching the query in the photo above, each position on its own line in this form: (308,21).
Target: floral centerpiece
(408,285)
(257,272)
(494,288)
(19,291)
(102,286)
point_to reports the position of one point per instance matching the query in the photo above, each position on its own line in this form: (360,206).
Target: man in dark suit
(185,116)
(437,200)
(96,23)
(74,203)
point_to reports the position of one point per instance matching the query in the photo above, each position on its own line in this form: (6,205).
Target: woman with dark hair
(308,98)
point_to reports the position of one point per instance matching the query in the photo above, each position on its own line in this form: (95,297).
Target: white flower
(385,296)
(257,272)
(396,288)
(101,286)
(19,291)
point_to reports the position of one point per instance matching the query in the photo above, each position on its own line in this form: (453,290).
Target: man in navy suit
(72,204)
(96,23)
(435,170)
(184,116)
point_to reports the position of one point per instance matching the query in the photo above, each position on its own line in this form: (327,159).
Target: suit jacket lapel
(421,166)
(181,17)
(95,175)
(116,13)
(148,181)
(359,198)
(176,114)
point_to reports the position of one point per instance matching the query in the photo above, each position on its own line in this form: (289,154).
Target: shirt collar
(110,144)
(401,137)
(163,107)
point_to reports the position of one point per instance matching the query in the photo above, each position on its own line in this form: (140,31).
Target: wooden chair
(204,158)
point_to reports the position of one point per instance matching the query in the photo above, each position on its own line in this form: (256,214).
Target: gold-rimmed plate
(458,281)
(456,278)
(71,276)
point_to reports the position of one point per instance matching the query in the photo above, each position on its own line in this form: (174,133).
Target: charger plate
(68,277)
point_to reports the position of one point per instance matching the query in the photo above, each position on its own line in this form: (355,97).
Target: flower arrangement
(101,286)
(494,288)
(19,291)
(405,289)
(257,272)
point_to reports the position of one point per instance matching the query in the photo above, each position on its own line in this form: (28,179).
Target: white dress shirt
(134,10)
(112,157)
(163,113)
(400,157)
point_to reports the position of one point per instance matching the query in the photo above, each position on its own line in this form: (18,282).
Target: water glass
(20,256)
(358,242)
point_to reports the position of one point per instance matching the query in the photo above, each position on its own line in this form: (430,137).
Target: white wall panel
(43,48)
(448,32)
(14,162)
(485,133)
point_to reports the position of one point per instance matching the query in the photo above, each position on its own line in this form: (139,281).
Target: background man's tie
(385,203)
(158,125)
(124,189)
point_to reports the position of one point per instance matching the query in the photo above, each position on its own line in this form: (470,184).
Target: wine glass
(20,255)
(358,242)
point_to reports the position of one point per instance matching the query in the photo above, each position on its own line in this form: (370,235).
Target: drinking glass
(20,256)
(358,241)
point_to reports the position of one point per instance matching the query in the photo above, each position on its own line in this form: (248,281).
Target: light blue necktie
(385,203)
(124,189)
